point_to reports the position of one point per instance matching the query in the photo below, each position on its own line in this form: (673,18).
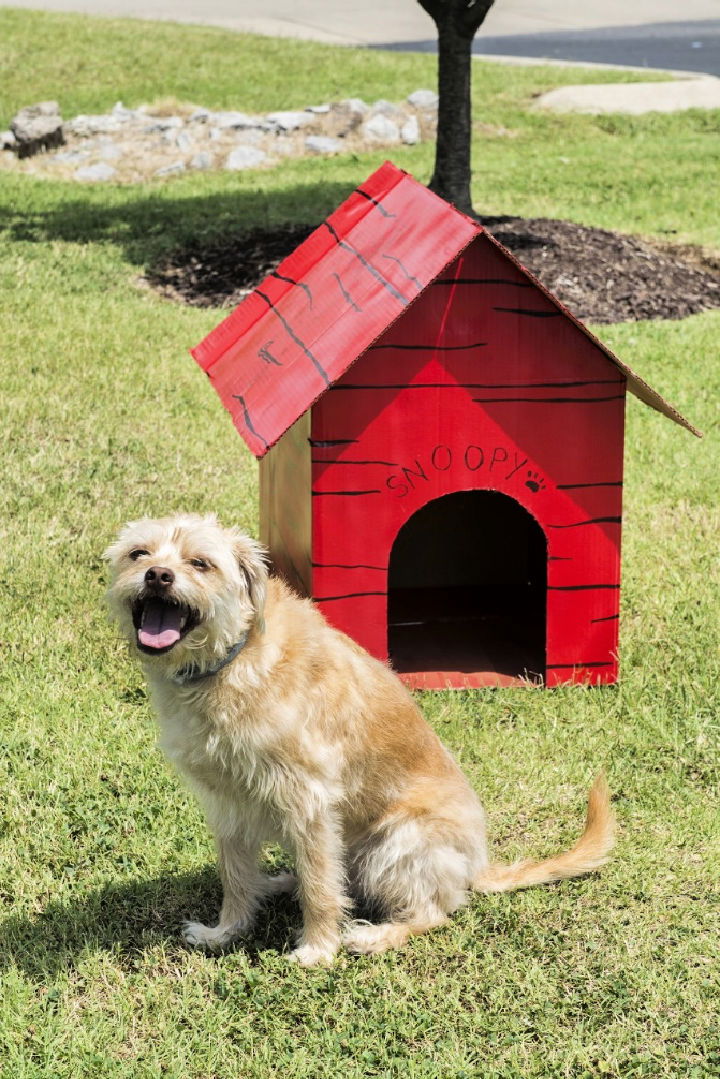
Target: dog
(289,732)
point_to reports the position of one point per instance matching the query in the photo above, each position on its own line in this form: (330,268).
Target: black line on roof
(292,281)
(265,354)
(288,328)
(375,202)
(346,295)
(368,266)
(248,421)
(416,281)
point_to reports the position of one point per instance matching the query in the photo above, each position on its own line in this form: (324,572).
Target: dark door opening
(467,586)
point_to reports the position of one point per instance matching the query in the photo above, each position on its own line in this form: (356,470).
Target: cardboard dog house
(440,444)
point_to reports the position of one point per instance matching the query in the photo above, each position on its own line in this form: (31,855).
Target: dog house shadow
(467,583)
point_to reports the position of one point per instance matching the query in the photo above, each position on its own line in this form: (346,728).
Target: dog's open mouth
(160,623)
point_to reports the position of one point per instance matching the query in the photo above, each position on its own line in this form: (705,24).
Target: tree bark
(457,22)
(452,173)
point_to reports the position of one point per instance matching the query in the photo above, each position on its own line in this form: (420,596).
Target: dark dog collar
(188,676)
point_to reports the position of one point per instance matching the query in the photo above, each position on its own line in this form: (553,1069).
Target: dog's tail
(590,852)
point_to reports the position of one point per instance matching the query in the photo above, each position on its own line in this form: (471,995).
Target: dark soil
(600,276)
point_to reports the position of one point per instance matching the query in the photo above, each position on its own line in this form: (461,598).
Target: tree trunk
(457,22)
(451,176)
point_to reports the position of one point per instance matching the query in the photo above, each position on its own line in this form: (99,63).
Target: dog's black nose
(159,576)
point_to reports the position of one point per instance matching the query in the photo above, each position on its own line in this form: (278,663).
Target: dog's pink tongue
(160,625)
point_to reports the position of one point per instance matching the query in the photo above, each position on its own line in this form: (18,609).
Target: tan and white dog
(289,732)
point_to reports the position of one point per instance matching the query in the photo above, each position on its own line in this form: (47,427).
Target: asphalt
(676,46)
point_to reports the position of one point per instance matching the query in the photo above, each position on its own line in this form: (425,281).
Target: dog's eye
(199,563)
(138,553)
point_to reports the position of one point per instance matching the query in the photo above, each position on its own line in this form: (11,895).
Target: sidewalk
(643,33)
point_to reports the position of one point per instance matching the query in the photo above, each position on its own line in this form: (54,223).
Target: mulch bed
(600,276)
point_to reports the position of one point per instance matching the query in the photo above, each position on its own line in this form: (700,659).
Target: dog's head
(185,589)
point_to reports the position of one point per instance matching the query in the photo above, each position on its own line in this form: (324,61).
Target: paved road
(679,46)
(640,33)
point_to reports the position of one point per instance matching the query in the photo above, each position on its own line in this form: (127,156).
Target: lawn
(105,417)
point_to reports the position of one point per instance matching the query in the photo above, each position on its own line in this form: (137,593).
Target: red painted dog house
(441,444)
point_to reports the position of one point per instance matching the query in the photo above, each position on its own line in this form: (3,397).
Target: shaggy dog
(290,732)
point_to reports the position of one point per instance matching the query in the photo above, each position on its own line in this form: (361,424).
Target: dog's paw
(197,935)
(280,884)
(308,955)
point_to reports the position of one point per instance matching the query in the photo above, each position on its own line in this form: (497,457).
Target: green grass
(105,417)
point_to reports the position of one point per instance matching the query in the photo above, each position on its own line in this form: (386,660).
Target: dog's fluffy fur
(305,740)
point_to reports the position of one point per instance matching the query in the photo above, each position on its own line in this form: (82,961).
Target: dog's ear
(114,551)
(252,559)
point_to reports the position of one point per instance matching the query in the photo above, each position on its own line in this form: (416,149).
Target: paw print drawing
(535,482)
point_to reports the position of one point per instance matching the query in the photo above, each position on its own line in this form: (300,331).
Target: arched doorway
(467,585)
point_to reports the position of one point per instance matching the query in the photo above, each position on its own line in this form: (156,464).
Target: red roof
(309,320)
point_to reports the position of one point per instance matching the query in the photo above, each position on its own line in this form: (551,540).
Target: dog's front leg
(243,889)
(319,861)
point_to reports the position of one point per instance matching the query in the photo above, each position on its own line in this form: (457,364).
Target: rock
(37,127)
(168,170)
(145,142)
(203,160)
(284,146)
(381,129)
(322,144)
(224,120)
(410,131)
(85,126)
(244,157)
(353,105)
(110,151)
(349,114)
(7,140)
(251,136)
(71,157)
(183,142)
(423,99)
(163,123)
(289,121)
(384,108)
(125,116)
(95,172)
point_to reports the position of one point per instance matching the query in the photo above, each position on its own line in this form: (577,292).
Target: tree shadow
(128,918)
(146,226)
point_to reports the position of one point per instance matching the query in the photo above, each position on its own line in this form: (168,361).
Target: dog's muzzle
(160,619)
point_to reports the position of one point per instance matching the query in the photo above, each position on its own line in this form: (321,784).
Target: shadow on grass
(146,226)
(128,918)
